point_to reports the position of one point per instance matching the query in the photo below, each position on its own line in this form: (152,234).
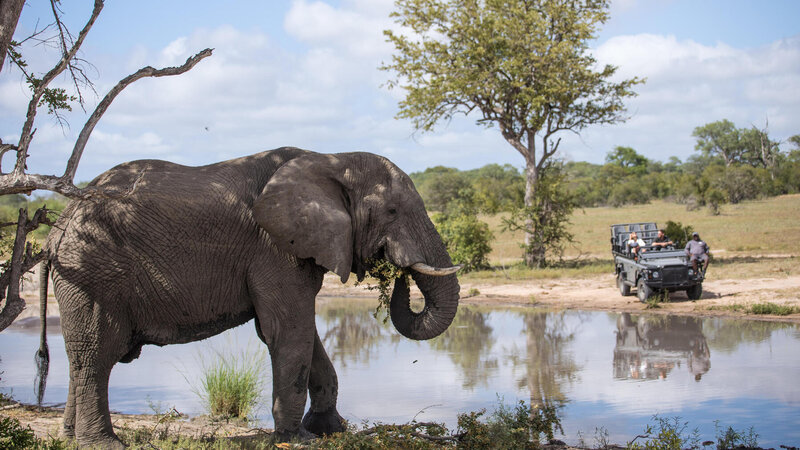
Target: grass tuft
(231,385)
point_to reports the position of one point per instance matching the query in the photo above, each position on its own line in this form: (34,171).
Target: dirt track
(600,293)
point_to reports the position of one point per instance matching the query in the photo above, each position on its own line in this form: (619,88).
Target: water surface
(606,369)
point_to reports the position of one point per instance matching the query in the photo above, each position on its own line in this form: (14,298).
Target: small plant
(232,384)
(13,436)
(519,427)
(472,292)
(730,438)
(666,434)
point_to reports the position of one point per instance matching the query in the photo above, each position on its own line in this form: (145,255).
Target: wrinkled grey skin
(194,251)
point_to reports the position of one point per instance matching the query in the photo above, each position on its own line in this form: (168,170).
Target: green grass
(738,238)
(231,385)
(766,308)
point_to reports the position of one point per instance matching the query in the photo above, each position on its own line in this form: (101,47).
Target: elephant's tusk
(436,271)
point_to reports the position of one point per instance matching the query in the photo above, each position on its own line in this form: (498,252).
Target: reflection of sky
(754,385)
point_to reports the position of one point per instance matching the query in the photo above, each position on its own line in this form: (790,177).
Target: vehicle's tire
(643,291)
(624,289)
(694,292)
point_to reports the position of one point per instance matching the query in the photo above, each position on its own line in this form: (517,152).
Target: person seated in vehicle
(697,250)
(635,245)
(661,241)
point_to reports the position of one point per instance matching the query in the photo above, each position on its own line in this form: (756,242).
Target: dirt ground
(600,294)
(595,293)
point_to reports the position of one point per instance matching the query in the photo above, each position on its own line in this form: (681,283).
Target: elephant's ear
(304,209)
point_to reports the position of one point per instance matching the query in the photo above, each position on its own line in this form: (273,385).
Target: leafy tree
(627,158)
(547,220)
(521,65)
(719,138)
(497,188)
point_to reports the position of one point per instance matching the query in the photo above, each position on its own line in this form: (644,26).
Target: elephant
(188,252)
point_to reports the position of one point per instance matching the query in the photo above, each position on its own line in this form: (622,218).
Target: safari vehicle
(654,269)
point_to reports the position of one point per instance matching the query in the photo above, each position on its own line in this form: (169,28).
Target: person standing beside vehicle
(697,250)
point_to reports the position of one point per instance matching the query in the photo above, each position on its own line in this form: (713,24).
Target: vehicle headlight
(656,274)
(691,272)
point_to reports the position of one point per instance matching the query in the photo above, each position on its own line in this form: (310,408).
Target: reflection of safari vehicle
(651,269)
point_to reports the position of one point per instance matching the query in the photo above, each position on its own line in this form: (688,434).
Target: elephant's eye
(392,211)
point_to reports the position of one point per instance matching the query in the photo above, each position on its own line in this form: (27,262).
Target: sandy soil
(600,294)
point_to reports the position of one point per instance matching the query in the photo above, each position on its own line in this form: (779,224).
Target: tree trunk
(534,250)
(10,11)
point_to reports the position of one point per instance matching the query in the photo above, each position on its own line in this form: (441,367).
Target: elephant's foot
(326,422)
(101,441)
(299,435)
(68,431)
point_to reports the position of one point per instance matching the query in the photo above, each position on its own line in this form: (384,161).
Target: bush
(467,239)
(667,434)
(520,427)
(678,233)
(13,436)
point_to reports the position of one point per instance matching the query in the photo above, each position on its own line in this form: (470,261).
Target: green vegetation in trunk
(384,273)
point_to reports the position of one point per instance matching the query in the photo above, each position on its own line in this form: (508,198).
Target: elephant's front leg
(291,344)
(323,386)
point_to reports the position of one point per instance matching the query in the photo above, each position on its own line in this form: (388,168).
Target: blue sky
(304,73)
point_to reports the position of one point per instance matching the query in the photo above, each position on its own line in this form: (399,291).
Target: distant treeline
(731,165)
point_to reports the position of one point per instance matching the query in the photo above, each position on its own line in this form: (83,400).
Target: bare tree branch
(22,260)
(25,136)
(80,144)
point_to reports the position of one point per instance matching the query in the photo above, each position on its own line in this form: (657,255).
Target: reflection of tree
(649,347)
(353,333)
(726,335)
(547,362)
(468,341)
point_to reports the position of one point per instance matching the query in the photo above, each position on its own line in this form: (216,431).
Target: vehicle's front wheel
(643,291)
(694,292)
(624,289)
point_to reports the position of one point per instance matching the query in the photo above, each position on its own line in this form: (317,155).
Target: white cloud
(690,84)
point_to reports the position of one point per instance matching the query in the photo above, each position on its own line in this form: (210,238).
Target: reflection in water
(649,347)
(351,333)
(547,363)
(726,335)
(469,341)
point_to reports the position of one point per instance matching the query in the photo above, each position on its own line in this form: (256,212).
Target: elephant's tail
(43,354)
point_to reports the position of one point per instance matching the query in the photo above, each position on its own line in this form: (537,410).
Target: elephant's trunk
(441,303)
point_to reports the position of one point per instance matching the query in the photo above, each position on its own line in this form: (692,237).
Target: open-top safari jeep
(653,269)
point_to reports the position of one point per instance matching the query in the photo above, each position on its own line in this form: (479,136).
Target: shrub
(668,434)
(730,438)
(521,427)
(678,233)
(467,239)
(13,436)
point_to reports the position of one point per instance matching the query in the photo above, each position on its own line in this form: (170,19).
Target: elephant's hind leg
(94,343)
(323,387)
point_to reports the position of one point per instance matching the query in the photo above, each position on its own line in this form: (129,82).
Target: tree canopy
(521,65)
